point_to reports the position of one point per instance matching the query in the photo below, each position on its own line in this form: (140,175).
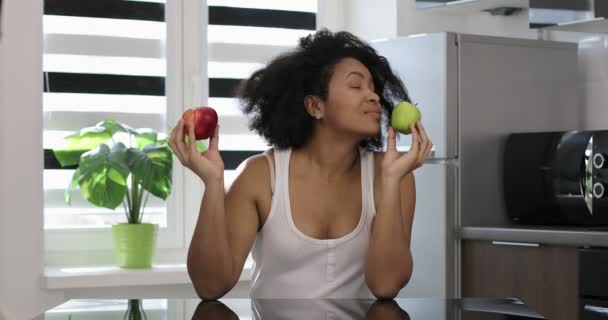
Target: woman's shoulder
(255,170)
(256,164)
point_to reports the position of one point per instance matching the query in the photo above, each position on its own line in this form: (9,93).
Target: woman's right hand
(208,165)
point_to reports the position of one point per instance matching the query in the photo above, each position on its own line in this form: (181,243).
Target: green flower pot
(134,244)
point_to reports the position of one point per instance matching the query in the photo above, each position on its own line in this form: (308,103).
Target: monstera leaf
(87,139)
(151,168)
(145,137)
(103,175)
(108,175)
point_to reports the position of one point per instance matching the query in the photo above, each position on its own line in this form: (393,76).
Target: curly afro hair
(273,97)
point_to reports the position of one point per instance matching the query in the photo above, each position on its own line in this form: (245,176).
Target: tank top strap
(281,161)
(271,162)
(367,181)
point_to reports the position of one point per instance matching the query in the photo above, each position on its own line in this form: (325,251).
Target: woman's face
(352,105)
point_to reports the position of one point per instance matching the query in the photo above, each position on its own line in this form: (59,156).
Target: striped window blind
(107,59)
(102,59)
(242,36)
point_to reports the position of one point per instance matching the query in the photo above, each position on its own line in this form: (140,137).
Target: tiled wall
(593,75)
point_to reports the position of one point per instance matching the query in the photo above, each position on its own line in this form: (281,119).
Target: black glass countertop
(275,309)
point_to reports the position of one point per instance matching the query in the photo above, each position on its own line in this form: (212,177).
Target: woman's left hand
(396,166)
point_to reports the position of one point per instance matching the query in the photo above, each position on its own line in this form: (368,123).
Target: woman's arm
(389,265)
(225,231)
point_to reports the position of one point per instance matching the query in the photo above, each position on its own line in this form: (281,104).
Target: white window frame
(187,86)
(82,246)
(195,93)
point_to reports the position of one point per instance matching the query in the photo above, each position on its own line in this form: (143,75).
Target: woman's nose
(374,97)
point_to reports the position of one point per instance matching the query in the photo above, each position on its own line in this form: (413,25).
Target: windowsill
(112,276)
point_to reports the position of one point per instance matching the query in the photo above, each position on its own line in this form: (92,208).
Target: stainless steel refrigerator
(473,91)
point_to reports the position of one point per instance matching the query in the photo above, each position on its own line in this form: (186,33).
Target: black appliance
(593,284)
(557,178)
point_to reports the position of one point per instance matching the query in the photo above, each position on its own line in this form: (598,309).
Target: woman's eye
(356,87)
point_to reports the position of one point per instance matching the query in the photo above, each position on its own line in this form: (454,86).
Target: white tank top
(290,264)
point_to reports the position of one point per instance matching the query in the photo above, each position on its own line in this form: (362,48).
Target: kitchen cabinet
(468,6)
(584,16)
(545,277)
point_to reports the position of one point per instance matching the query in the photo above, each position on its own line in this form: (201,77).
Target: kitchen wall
(389,18)
(593,76)
(21,162)
(372,19)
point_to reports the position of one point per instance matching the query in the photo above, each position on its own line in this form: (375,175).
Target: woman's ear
(314,106)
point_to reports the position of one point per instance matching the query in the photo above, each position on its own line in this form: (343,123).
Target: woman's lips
(374,114)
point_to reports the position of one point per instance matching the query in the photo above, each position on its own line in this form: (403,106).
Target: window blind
(107,60)
(102,60)
(242,37)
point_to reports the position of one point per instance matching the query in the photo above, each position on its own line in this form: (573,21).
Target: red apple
(205,121)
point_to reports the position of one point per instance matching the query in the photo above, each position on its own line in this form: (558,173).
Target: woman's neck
(328,159)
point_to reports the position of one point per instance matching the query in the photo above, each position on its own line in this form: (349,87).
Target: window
(143,62)
(104,60)
(242,36)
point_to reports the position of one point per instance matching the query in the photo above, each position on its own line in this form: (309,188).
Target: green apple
(404,115)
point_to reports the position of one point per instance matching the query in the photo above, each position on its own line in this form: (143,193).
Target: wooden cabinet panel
(543,277)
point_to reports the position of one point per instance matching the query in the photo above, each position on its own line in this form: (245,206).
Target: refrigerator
(472,92)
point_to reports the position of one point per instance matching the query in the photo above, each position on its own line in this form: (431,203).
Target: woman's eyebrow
(355,73)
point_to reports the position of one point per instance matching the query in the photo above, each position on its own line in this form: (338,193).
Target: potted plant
(110,173)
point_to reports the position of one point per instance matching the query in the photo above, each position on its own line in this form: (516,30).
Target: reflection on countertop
(275,309)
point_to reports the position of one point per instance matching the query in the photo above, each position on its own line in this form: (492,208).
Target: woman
(323,213)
